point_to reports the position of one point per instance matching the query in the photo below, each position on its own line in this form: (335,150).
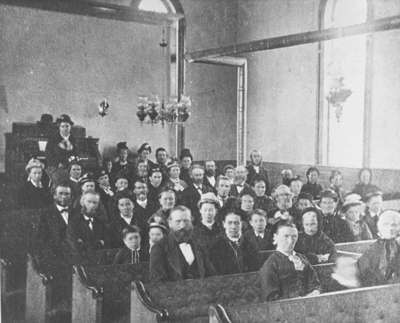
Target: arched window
(343,76)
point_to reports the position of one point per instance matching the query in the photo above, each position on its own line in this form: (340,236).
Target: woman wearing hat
(144,152)
(62,146)
(353,216)
(186,159)
(33,194)
(207,231)
(174,182)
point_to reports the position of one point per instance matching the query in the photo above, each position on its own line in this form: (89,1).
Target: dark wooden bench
(49,287)
(102,293)
(16,236)
(189,300)
(372,304)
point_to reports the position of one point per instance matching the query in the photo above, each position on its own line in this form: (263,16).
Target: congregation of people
(192,220)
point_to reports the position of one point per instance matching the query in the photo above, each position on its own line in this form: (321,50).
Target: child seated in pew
(258,234)
(156,233)
(287,274)
(312,242)
(131,253)
(380,264)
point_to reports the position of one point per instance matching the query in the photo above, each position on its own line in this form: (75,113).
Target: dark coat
(154,193)
(227,261)
(280,279)
(313,189)
(246,190)
(264,203)
(206,237)
(55,154)
(166,264)
(82,241)
(31,197)
(185,175)
(264,243)
(364,189)
(336,228)
(252,174)
(127,256)
(190,197)
(52,232)
(380,264)
(147,212)
(118,224)
(318,244)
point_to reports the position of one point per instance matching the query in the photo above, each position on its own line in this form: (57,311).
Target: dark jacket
(185,175)
(31,197)
(166,261)
(118,224)
(264,203)
(206,237)
(371,221)
(246,190)
(313,189)
(364,189)
(82,241)
(147,212)
(252,174)
(318,244)
(259,243)
(190,197)
(127,256)
(380,264)
(55,154)
(280,279)
(227,260)
(336,228)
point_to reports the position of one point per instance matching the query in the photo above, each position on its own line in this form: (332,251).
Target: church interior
(199,161)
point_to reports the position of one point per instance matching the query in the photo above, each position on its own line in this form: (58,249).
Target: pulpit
(30,139)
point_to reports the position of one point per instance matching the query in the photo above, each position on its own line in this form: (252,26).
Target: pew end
(143,309)
(217,314)
(87,299)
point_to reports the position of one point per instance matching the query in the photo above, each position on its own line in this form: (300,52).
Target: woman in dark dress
(312,242)
(62,146)
(312,186)
(365,186)
(33,194)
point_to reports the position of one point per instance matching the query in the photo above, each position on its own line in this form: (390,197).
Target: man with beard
(144,207)
(177,256)
(192,194)
(256,169)
(86,233)
(232,253)
(380,264)
(287,274)
(53,224)
(239,185)
(210,171)
(223,188)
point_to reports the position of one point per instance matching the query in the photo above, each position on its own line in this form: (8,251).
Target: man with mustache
(177,256)
(210,177)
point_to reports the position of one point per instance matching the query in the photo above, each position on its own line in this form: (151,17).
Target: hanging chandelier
(152,110)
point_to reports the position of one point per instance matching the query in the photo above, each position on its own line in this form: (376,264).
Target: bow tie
(64,210)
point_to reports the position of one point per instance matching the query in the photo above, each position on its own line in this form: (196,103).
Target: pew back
(373,304)
(357,247)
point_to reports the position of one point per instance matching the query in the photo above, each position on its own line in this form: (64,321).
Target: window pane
(153,5)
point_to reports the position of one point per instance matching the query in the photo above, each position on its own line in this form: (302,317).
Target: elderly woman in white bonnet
(33,194)
(380,264)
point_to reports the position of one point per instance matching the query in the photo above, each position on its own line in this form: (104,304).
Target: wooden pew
(357,247)
(189,300)
(102,293)
(372,304)
(16,236)
(49,287)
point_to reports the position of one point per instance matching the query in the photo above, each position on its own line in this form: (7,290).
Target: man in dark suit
(240,186)
(53,224)
(373,211)
(192,194)
(122,166)
(258,234)
(232,253)
(177,256)
(143,206)
(255,168)
(86,233)
(210,178)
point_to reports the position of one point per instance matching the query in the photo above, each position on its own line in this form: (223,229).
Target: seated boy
(287,274)
(131,253)
(312,242)
(258,234)
(156,233)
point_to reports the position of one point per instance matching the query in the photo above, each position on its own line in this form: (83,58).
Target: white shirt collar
(74,180)
(259,234)
(34,184)
(187,252)
(126,219)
